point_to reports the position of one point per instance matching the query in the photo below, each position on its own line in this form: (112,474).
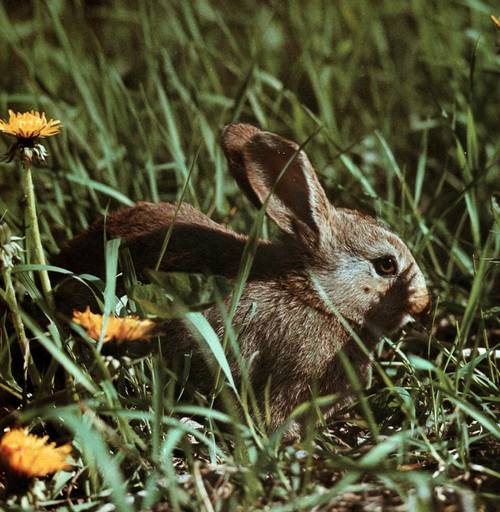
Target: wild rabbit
(285,321)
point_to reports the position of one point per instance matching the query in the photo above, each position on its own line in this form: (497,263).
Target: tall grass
(405,97)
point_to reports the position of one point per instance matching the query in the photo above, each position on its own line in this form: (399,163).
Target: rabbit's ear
(233,140)
(263,162)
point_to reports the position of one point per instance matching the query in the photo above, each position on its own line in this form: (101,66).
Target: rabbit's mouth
(419,306)
(407,319)
(379,329)
(387,316)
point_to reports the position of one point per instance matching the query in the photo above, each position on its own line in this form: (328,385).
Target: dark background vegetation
(407,96)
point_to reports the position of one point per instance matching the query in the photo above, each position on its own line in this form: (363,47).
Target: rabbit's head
(364,269)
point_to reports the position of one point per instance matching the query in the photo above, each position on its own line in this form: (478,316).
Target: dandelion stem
(33,230)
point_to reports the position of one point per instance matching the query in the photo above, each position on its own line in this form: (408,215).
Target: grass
(405,95)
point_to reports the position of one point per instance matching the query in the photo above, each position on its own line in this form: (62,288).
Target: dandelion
(9,254)
(28,127)
(130,328)
(24,456)
(9,248)
(10,251)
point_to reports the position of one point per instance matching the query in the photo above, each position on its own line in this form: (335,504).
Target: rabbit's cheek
(376,292)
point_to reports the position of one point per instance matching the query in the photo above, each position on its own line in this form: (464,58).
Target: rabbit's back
(196,241)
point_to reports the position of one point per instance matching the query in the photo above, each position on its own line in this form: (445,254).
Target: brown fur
(284,325)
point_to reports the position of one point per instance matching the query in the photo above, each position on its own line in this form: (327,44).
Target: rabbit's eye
(385,266)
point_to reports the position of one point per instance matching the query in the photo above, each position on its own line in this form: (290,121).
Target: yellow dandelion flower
(27,456)
(495,20)
(130,328)
(29,125)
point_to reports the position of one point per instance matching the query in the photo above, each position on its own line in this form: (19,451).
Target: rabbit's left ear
(269,164)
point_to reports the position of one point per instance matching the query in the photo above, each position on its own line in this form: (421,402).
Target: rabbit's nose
(419,303)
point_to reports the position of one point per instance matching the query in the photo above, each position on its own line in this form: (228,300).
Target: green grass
(406,97)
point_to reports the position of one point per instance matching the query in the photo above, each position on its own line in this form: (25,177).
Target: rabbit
(285,321)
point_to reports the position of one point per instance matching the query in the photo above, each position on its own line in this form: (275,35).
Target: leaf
(5,355)
(201,325)
(100,187)
(173,294)
(97,452)
(112,248)
(380,452)
(60,356)
(421,364)
(487,422)
(154,301)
